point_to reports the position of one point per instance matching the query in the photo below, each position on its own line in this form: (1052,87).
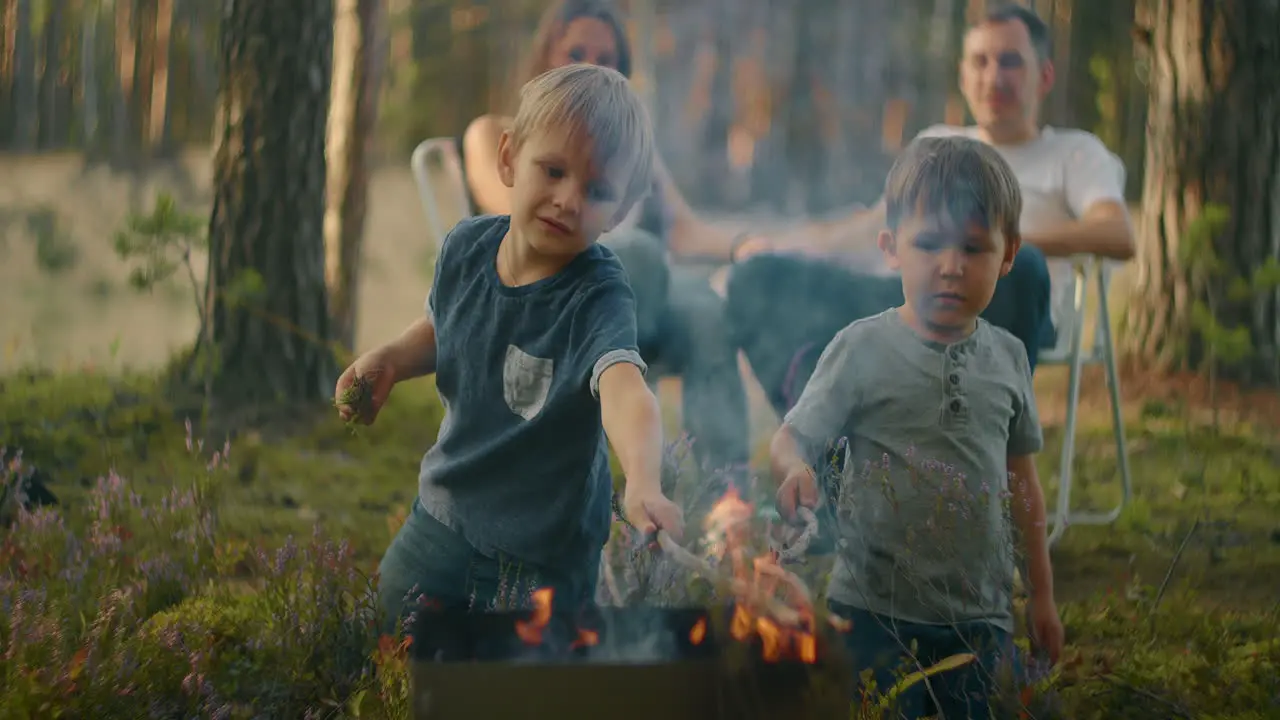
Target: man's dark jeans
(782,310)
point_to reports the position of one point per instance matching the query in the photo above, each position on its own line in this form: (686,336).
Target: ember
(760,652)
(530,630)
(621,663)
(770,603)
(699,631)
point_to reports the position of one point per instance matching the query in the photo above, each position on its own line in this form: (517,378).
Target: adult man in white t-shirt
(784,309)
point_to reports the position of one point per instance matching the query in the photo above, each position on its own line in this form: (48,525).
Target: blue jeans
(429,565)
(682,331)
(782,310)
(877,643)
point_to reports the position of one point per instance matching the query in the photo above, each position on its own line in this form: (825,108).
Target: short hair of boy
(957,177)
(597,106)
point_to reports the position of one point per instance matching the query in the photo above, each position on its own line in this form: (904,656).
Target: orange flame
(757,582)
(530,631)
(699,631)
(586,638)
(771,638)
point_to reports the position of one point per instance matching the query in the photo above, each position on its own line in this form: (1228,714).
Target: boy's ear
(889,246)
(1012,243)
(506,159)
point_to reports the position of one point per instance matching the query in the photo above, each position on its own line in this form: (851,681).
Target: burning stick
(740,587)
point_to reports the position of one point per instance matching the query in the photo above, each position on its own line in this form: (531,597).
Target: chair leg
(1062,514)
(1117,416)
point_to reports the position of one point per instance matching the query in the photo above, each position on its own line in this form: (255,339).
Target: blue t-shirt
(521,462)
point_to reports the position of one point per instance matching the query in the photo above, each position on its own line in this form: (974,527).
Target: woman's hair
(557,18)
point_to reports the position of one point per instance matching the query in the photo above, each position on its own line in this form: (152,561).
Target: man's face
(949,270)
(1002,78)
(561,201)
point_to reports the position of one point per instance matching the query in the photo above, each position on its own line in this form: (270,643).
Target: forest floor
(1171,611)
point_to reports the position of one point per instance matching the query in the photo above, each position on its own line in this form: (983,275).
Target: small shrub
(132,609)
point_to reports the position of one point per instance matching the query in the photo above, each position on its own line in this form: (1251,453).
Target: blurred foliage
(451,61)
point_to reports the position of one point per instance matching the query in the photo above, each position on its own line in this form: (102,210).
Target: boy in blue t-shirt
(940,417)
(530,330)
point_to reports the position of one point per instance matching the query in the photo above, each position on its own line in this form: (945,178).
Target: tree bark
(358,61)
(89,75)
(125,47)
(50,69)
(1213,136)
(8,26)
(271,345)
(144,72)
(26,123)
(162,51)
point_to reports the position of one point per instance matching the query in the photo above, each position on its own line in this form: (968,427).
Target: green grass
(1205,648)
(1225,486)
(80,426)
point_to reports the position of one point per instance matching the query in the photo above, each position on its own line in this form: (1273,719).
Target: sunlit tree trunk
(358,59)
(8,24)
(1213,136)
(158,127)
(144,67)
(269,320)
(125,54)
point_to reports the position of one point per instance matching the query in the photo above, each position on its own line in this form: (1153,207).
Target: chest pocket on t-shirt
(526,382)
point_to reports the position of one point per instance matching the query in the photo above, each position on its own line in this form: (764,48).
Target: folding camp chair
(439,158)
(1069,351)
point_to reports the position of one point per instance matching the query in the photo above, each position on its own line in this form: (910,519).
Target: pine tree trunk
(125,47)
(26,122)
(271,345)
(89,76)
(359,50)
(144,72)
(158,126)
(8,24)
(1213,136)
(50,69)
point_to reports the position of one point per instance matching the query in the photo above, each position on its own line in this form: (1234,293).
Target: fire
(530,631)
(586,638)
(770,602)
(785,627)
(699,631)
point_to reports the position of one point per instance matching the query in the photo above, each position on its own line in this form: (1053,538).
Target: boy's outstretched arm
(413,354)
(797,483)
(785,454)
(820,414)
(1029,515)
(633,424)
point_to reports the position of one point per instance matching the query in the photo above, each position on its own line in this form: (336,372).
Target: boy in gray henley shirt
(938,412)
